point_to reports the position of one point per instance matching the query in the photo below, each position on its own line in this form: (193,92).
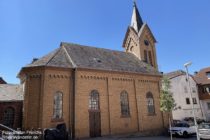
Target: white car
(183,129)
(204,131)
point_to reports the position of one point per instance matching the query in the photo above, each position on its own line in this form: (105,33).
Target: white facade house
(181,94)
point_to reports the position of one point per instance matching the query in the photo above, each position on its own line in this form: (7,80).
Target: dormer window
(97,60)
(208,75)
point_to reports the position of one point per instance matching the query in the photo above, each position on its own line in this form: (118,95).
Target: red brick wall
(17,106)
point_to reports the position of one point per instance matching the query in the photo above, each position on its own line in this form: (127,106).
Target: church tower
(139,39)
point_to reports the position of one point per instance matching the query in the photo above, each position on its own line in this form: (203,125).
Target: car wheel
(185,134)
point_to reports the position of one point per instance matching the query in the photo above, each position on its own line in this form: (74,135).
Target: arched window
(8,116)
(124,104)
(150,103)
(145,56)
(131,48)
(94,100)
(58,105)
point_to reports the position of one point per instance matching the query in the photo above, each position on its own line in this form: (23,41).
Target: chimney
(34,60)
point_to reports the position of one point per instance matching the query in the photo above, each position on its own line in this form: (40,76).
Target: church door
(94,115)
(95,124)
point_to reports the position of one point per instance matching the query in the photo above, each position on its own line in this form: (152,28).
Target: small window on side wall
(145,56)
(150,103)
(194,101)
(185,89)
(208,75)
(58,105)
(208,105)
(187,101)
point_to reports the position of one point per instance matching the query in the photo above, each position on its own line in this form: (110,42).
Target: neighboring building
(203,81)
(97,91)
(2,81)
(11,103)
(181,94)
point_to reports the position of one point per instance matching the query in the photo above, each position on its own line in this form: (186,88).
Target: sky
(33,28)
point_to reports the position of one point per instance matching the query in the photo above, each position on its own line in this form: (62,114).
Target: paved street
(140,138)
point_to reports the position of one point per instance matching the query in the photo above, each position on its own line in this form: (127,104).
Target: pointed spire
(136,20)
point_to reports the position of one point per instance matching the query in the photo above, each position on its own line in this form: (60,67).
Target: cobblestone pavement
(139,138)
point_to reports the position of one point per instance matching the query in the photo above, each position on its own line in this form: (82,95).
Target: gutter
(72,104)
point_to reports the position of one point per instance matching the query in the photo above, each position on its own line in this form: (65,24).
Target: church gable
(147,46)
(145,31)
(131,42)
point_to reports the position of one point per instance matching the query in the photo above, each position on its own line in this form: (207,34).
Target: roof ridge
(176,71)
(68,56)
(53,56)
(91,47)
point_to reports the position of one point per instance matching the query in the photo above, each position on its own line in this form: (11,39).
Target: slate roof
(174,74)
(78,56)
(55,58)
(201,77)
(10,92)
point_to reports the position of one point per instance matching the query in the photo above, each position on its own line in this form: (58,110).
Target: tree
(167,102)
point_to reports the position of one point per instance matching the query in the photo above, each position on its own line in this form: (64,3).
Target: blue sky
(33,28)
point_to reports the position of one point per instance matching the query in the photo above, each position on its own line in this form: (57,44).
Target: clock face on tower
(146,42)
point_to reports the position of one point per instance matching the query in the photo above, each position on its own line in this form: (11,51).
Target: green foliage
(167,102)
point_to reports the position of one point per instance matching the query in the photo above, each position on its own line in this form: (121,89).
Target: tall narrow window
(150,104)
(8,117)
(208,105)
(194,101)
(208,75)
(58,105)
(193,89)
(94,100)
(150,58)
(124,104)
(208,89)
(187,101)
(145,56)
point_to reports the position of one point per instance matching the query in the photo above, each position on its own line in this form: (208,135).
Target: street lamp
(196,126)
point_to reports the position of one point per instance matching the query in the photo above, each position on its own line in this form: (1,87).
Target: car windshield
(204,126)
(181,125)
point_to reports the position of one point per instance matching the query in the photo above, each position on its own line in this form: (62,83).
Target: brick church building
(97,91)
